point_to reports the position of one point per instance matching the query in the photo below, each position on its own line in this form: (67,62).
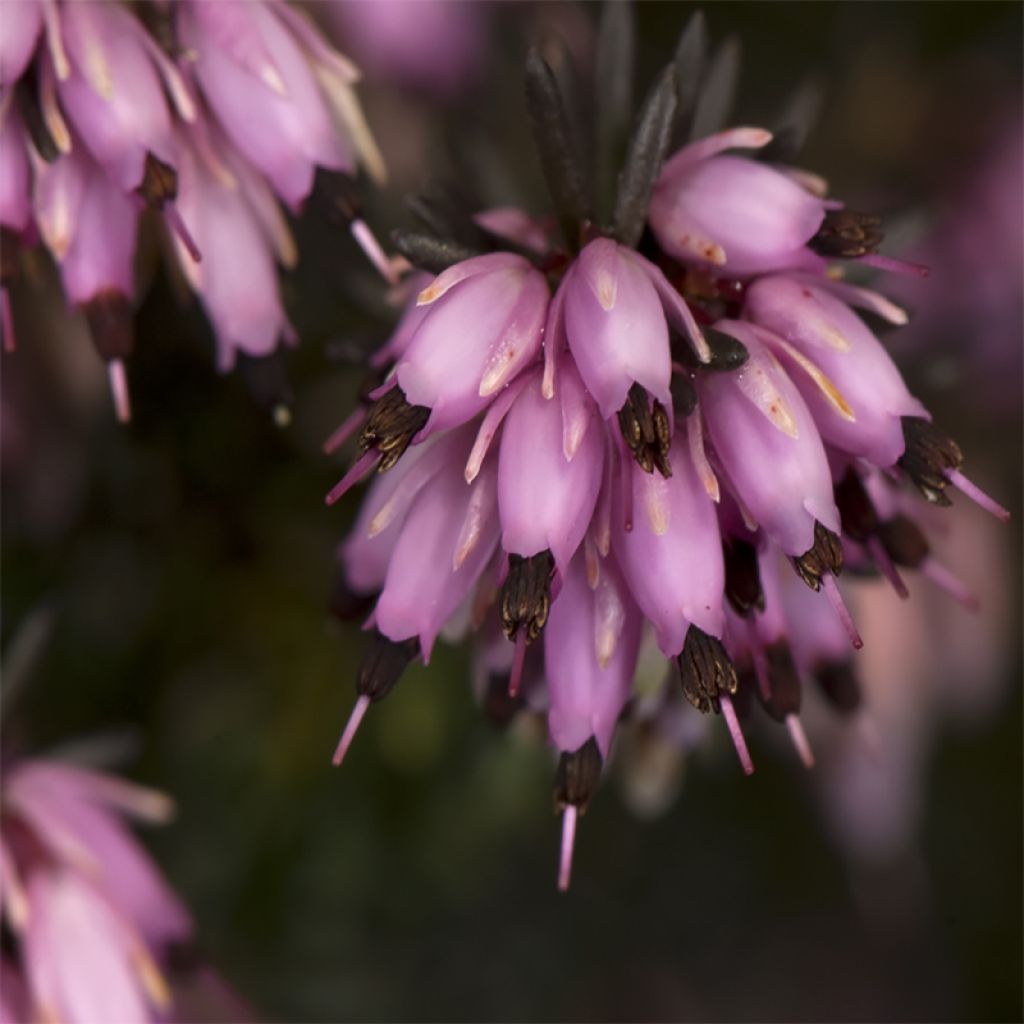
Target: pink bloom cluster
(688,442)
(90,914)
(217,114)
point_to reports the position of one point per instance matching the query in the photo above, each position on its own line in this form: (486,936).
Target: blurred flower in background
(191,557)
(106,114)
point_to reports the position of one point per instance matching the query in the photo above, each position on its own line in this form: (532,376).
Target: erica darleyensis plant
(671,420)
(210,113)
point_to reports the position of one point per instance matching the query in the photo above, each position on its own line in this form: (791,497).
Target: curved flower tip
(483,326)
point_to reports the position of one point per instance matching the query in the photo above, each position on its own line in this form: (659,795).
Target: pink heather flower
(278,90)
(484,325)
(91,914)
(672,554)
(22,24)
(448,536)
(616,326)
(766,441)
(849,382)
(89,224)
(242,235)
(550,470)
(435,45)
(114,91)
(731,213)
(567,453)
(590,645)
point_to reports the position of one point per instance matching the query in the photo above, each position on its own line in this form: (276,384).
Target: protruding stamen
(119,390)
(354,719)
(645,429)
(343,432)
(361,469)
(888,568)
(847,234)
(823,558)
(706,671)
(736,734)
(956,588)
(895,266)
(929,456)
(515,679)
(831,589)
(568,843)
(526,595)
(971,490)
(391,426)
(799,738)
(367,241)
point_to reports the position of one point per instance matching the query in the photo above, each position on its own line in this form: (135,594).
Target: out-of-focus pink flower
(430,44)
(731,213)
(484,326)
(15,179)
(91,914)
(242,236)
(22,24)
(279,91)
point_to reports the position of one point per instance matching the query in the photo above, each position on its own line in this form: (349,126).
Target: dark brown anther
(928,455)
(904,542)
(742,576)
(783,682)
(577,776)
(684,395)
(526,594)
(706,671)
(391,426)
(856,512)
(727,353)
(111,325)
(645,429)
(839,684)
(824,555)
(498,705)
(159,182)
(847,234)
(383,665)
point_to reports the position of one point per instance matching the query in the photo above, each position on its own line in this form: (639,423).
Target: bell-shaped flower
(90,913)
(448,537)
(22,24)
(672,555)
(113,91)
(279,91)
(850,383)
(733,214)
(766,442)
(616,306)
(241,233)
(484,325)
(89,224)
(591,644)
(550,469)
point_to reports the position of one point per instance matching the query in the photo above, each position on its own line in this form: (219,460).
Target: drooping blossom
(91,916)
(227,109)
(679,438)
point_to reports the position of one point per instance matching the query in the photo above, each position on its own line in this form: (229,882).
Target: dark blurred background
(185,564)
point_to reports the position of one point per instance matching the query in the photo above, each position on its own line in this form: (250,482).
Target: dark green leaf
(647,149)
(432,254)
(717,91)
(613,89)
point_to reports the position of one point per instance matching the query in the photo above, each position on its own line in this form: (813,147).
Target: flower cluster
(89,913)
(212,113)
(676,424)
